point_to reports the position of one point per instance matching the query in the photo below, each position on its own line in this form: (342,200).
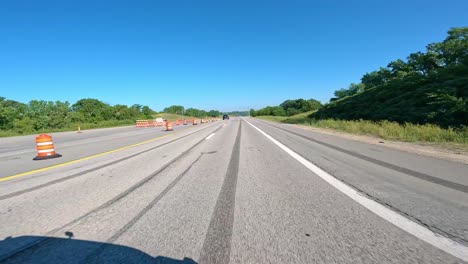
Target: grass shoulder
(71,127)
(172,117)
(87,126)
(426,134)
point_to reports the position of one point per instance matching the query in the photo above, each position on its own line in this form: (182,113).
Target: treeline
(288,108)
(180,110)
(427,87)
(40,115)
(237,113)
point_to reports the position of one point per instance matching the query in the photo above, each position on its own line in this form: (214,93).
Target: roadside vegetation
(180,112)
(192,112)
(407,132)
(427,88)
(39,116)
(423,98)
(169,116)
(288,108)
(237,113)
(173,117)
(295,119)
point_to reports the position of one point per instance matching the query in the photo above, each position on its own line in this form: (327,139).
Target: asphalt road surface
(237,191)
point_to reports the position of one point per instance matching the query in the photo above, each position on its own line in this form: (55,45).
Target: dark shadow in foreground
(63,250)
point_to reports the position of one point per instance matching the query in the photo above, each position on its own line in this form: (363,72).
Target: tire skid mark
(46,237)
(217,245)
(93,257)
(10,195)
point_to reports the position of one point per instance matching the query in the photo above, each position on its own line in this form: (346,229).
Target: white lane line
(208,137)
(456,249)
(44,143)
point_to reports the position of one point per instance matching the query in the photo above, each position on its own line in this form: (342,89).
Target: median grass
(385,129)
(83,126)
(86,126)
(295,119)
(171,117)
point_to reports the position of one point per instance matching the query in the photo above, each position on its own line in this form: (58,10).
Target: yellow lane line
(85,158)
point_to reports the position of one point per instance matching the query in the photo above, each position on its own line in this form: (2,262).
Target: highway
(237,191)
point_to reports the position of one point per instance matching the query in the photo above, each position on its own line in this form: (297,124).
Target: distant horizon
(209,54)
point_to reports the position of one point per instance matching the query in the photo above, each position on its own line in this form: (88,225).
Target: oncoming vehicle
(225,117)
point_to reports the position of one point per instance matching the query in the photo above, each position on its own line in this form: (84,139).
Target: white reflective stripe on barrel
(44,143)
(45,150)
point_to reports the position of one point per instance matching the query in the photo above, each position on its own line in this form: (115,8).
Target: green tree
(122,112)
(59,115)
(135,110)
(296,106)
(24,125)
(41,115)
(174,109)
(352,90)
(424,63)
(9,111)
(214,113)
(93,110)
(430,87)
(147,112)
(192,112)
(277,111)
(376,78)
(454,49)
(400,69)
(203,113)
(7,116)
(39,111)
(313,104)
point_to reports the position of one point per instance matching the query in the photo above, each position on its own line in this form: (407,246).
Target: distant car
(225,117)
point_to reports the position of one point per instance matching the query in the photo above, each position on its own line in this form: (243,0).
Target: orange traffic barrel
(185,122)
(45,148)
(195,122)
(169,126)
(141,123)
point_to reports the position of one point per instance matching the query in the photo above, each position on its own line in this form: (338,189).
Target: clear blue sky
(226,55)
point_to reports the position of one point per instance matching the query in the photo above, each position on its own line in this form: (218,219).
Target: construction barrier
(169,126)
(152,123)
(141,123)
(148,123)
(45,148)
